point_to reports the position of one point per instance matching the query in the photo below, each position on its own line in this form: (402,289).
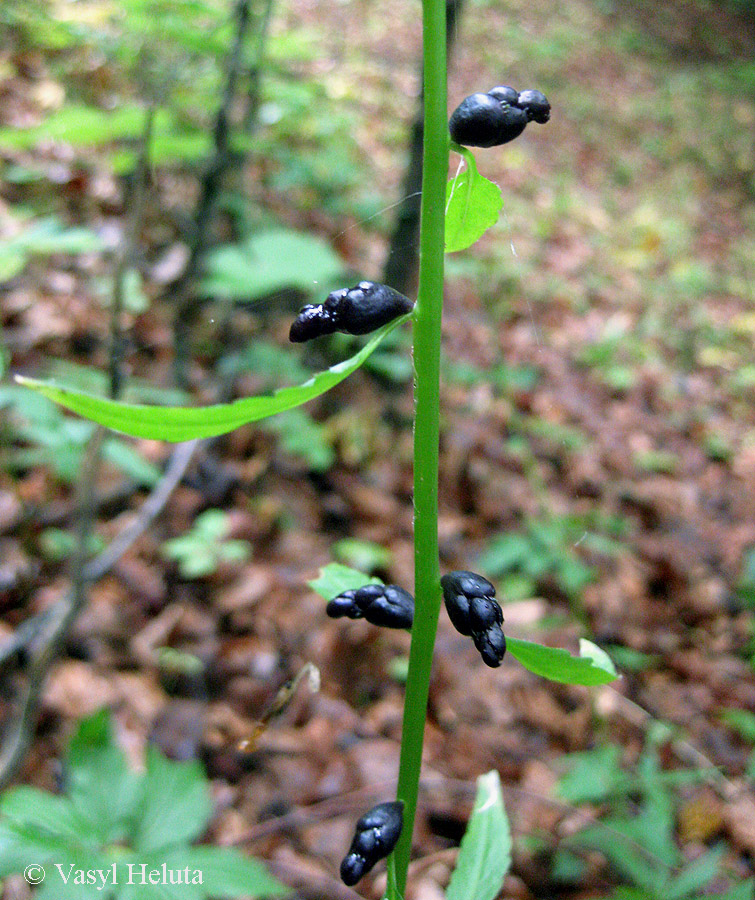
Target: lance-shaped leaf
(485,853)
(592,666)
(180,423)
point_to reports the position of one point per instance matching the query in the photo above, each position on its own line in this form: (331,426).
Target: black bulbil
(384,605)
(375,836)
(505,94)
(473,611)
(496,117)
(536,106)
(482,120)
(358,310)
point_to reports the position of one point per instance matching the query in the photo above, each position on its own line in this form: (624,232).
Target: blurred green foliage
(206,546)
(109,817)
(637,834)
(547,549)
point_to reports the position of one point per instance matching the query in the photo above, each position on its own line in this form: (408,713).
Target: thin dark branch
(184,291)
(16,741)
(400,270)
(255,72)
(174,472)
(127,253)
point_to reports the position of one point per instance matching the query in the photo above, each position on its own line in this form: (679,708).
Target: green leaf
(73,862)
(743,891)
(473,204)
(593,776)
(631,860)
(485,852)
(212,525)
(148,880)
(177,805)
(12,262)
(271,261)
(599,657)
(101,786)
(37,809)
(228,873)
(234,551)
(303,437)
(131,462)
(202,562)
(559,665)
(696,875)
(334,579)
(362,555)
(741,720)
(178,424)
(504,553)
(23,845)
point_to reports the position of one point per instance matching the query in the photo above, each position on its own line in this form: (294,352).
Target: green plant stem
(427,324)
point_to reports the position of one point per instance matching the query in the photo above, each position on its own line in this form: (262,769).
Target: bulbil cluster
(386,605)
(497,117)
(473,611)
(356,310)
(377,833)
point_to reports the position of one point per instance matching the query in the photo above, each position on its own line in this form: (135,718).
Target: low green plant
(303,437)
(362,555)
(206,546)
(44,237)
(39,435)
(59,545)
(271,260)
(115,834)
(746,583)
(637,836)
(546,548)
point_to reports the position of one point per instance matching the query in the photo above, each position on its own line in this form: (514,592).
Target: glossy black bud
(469,583)
(311,322)
(368,594)
(473,611)
(366,843)
(484,613)
(366,307)
(505,94)
(385,605)
(394,609)
(357,310)
(457,607)
(491,645)
(477,121)
(343,605)
(376,834)
(536,106)
(353,867)
(481,120)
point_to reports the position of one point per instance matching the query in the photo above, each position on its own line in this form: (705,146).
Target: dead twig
(28,633)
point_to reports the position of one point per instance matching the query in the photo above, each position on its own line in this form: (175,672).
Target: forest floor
(597,463)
